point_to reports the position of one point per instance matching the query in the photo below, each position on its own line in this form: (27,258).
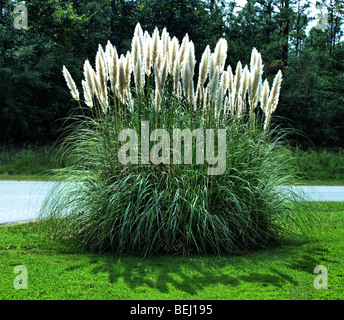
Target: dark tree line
(34,97)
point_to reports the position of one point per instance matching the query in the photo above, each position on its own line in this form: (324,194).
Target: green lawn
(23,177)
(55,271)
(313,182)
(34,164)
(26,177)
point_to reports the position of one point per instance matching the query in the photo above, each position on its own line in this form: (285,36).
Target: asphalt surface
(22,200)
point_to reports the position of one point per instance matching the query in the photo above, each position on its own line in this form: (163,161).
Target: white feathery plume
(136,53)
(265,95)
(108,53)
(245,82)
(253,60)
(204,67)
(188,71)
(138,76)
(121,81)
(224,82)
(255,84)
(180,90)
(182,49)
(167,56)
(87,94)
(226,106)
(274,93)
(218,103)
(102,78)
(160,57)
(89,78)
(158,86)
(236,93)
(160,78)
(71,84)
(139,33)
(240,107)
(187,82)
(148,53)
(244,87)
(113,71)
(128,68)
(165,41)
(230,80)
(103,65)
(199,96)
(273,99)
(220,54)
(212,66)
(218,58)
(102,73)
(185,78)
(163,72)
(155,45)
(138,30)
(237,78)
(176,77)
(173,53)
(206,99)
(190,56)
(214,84)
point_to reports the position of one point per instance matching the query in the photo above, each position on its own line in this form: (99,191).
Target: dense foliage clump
(114,198)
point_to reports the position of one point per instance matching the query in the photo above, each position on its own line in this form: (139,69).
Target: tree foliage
(34,97)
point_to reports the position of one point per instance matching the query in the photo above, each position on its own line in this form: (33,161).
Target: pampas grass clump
(167,207)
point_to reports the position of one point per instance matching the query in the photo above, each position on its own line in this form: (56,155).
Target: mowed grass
(285,271)
(336,183)
(32,164)
(323,168)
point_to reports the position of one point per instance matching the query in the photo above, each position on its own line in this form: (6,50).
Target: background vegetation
(34,97)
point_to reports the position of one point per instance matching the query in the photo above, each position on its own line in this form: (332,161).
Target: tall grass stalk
(173,208)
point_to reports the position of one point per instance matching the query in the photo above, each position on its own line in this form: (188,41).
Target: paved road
(321,193)
(21,201)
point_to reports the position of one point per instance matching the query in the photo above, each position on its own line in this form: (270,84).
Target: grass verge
(320,182)
(319,167)
(34,164)
(57,271)
(31,164)
(24,177)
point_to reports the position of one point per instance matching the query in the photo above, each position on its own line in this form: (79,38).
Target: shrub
(161,205)
(30,161)
(319,165)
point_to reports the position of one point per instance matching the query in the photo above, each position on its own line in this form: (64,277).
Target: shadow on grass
(307,260)
(192,274)
(187,275)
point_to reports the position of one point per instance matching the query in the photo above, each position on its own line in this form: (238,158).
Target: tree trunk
(298,29)
(285,32)
(331,28)
(113,14)
(1,11)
